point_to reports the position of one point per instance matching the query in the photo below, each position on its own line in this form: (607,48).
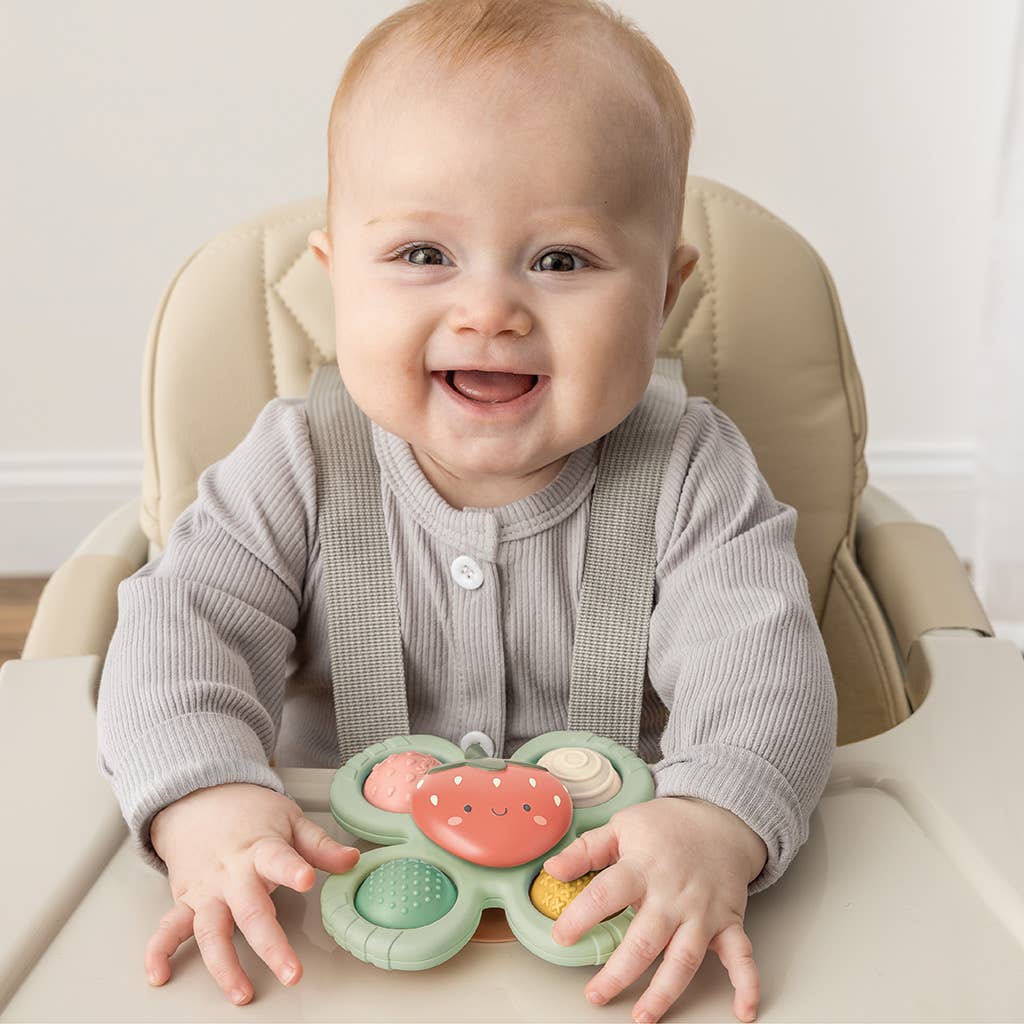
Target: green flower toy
(462,832)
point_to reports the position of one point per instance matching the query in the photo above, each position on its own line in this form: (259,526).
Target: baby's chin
(483,474)
(485,462)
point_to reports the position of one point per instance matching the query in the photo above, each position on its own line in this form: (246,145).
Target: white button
(467,573)
(482,738)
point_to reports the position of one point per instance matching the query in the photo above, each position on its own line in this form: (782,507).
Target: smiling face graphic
(495,817)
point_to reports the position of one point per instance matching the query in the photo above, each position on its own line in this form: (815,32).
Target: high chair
(906,902)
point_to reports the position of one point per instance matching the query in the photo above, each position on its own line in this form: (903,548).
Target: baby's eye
(418,248)
(572,255)
(468,808)
(526,807)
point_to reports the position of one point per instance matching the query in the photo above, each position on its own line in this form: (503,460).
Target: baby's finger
(734,949)
(175,927)
(213,927)
(591,851)
(645,938)
(321,850)
(606,893)
(683,955)
(281,864)
(256,917)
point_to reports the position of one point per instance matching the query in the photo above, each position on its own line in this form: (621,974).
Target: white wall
(133,132)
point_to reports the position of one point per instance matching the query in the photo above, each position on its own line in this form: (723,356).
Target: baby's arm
(735,651)
(193,683)
(192,687)
(737,657)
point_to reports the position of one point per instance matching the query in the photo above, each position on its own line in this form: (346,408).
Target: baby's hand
(227,848)
(683,865)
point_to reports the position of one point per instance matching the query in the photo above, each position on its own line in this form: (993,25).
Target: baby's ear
(320,242)
(684,259)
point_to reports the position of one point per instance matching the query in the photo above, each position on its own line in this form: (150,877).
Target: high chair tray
(906,903)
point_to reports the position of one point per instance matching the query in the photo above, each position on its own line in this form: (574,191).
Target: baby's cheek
(455,820)
(540,819)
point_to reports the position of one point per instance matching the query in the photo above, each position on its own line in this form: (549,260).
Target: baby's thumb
(320,850)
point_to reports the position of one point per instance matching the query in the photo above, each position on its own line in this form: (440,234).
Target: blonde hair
(462,34)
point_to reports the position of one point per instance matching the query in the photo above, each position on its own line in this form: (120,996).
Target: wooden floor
(18,598)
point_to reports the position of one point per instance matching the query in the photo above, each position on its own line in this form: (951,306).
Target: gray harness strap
(609,653)
(609,656)
(364,633)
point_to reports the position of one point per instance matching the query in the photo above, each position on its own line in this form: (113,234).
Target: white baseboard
(50,502)
(1013,631)
(935,483)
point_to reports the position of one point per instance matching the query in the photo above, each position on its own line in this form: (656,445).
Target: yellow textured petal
(551,897)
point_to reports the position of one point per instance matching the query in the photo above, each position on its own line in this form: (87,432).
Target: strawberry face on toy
(492,812)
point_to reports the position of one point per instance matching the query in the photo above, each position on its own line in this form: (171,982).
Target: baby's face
(482,223)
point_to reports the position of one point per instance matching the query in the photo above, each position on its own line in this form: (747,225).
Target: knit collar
(483,529)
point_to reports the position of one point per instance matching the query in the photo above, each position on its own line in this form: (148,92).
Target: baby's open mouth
(490,387)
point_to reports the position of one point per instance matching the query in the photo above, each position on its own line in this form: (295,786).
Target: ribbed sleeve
(735,652)
(192,687)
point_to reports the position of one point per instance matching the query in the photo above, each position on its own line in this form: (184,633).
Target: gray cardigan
(220,658)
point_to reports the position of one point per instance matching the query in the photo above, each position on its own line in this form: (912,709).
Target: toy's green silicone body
(468,888)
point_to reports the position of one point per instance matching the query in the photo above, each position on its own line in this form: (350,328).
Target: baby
(506,184)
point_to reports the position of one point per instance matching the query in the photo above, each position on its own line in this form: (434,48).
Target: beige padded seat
(248,317)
